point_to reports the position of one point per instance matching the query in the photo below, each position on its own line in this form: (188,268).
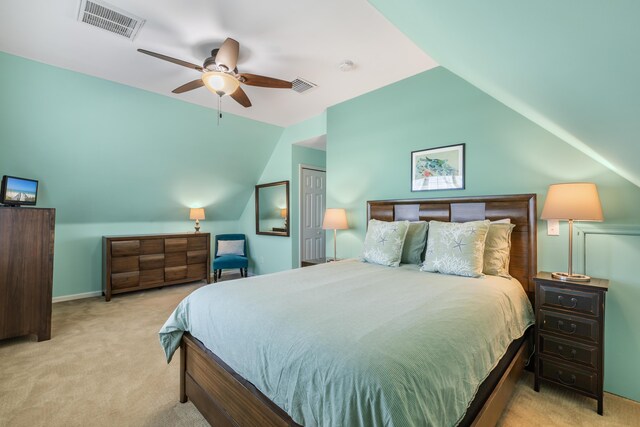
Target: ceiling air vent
(300,85)
(110,18)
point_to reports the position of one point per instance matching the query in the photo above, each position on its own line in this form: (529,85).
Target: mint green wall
(612,252)
(370,138)
(114,159)
(268,254)
(571,66)
(308,157)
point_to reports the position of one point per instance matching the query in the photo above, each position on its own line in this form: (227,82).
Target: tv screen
(18,191)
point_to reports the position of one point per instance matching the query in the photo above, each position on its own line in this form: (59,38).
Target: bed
(351,343)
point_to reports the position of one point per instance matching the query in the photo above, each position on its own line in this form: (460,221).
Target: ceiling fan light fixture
(220,83)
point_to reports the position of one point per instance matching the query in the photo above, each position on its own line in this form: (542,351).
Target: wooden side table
(570,334)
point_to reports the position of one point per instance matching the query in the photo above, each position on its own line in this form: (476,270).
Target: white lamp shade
(220,83)
(578,201)
(196,213)
(335,219)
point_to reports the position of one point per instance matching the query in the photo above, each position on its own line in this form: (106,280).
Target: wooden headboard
(519,208)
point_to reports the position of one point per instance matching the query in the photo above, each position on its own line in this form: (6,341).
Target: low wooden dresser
(132,263)
(570,334)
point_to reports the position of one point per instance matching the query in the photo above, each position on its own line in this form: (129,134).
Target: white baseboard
(77,296)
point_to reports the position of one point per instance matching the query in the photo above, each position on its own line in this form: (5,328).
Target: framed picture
(440,168)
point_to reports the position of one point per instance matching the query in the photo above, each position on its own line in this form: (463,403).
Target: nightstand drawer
(570,326)
(584,302)
(569,351)
(583,380)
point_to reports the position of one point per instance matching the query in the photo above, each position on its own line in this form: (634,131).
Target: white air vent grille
(110,18)
(300,85)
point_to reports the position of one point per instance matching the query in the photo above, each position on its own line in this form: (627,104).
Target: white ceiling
(278,38)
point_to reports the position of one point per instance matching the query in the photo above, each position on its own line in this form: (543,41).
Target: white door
(313,193)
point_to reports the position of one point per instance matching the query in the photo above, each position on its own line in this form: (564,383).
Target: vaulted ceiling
(571,66)
(285,39)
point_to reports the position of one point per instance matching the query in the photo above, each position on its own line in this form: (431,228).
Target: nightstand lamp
(576,201)
(335,219)
(197,214)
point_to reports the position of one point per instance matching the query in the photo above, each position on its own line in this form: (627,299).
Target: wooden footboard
(224,398)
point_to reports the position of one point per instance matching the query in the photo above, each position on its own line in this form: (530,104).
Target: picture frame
(438,168)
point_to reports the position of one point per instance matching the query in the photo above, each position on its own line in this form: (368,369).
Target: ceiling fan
(220,74)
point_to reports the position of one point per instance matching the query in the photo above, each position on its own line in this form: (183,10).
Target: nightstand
(570,334)
(310,262)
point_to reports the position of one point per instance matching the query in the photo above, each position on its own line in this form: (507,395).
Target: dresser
(26,271)
(570,334)
(136,262)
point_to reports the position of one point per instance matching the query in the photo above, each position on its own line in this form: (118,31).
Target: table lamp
(335,219)
(576,201)
(283,214)
(197,214)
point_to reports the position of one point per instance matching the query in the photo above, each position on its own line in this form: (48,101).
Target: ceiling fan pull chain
(219,106)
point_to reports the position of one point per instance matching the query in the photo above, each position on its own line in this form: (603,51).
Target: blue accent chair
(230,261)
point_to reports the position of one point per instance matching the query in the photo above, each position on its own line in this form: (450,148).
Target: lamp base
(571,277)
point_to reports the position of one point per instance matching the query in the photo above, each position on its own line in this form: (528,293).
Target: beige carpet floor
(105,367)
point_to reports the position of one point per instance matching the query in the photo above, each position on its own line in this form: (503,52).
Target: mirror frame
(257,197)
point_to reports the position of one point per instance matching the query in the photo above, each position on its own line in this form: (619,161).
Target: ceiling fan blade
(241,97)
(170,59)
(195,84)
(227,55)
(262,81)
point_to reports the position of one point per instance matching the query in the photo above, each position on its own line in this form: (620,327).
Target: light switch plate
(553,227)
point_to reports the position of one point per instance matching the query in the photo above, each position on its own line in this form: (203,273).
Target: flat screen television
(18,191)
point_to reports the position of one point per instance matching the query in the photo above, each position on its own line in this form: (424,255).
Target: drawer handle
(571,382)
(572,354)
(561,329)
(574,302)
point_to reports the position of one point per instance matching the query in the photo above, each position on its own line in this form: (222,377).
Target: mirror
(272,209)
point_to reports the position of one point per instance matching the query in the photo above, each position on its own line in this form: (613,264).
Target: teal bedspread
(350,343)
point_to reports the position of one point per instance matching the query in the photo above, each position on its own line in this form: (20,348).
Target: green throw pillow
(383,242)
(414,242)
(456,248)
(497,249)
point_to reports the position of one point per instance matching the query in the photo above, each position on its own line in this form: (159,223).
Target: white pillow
(384,241)
(230,247)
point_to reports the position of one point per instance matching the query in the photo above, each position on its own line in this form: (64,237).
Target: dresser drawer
(570,326)
(197,271)
(125,248)
(150,262)
(152,246)
(197,257)
(175,259)
(151,277)
(124,264)
(569,351)
(568,299)
(125,280)
(175,245)
(175,273)
(580,379)
(197,243)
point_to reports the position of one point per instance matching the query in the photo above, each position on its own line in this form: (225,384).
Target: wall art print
(440,168)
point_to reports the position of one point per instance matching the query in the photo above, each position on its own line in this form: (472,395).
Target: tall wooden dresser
(26,271)
(132,263)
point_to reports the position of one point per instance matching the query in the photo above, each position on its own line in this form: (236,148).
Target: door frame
(300,204)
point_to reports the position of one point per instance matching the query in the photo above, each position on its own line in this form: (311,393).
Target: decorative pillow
(230,247)
(414,242)
(497,249)
(456,248)
(384,241)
